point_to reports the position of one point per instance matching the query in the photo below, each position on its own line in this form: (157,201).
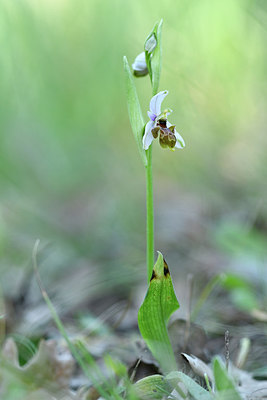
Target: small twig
(227,352)
(123,314)
(217,279)
(2,317)
(190,282)
(35,267)
(135,370)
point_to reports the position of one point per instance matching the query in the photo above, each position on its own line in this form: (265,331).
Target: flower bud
(151,44)
(139,66)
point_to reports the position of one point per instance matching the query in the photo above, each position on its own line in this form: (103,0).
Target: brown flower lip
(166,135)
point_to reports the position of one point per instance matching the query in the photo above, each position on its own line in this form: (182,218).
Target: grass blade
(224,384)
(75,352)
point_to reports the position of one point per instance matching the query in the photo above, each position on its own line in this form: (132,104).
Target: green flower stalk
(158,125)
(168,137)
(149,216)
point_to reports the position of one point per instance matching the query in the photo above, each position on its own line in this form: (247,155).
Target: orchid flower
(160,126)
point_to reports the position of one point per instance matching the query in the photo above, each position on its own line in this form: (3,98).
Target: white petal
(148,137)
(198,366)
(180,144)
(155,102)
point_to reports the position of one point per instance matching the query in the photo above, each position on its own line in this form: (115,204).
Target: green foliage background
(70,172)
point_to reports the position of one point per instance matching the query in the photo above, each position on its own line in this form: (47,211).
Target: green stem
(150,209)
(149,215)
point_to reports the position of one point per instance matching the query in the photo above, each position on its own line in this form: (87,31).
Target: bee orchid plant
(160,301)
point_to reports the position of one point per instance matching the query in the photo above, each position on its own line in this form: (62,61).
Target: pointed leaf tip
(153,52)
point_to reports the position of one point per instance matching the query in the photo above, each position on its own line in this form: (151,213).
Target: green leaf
(244,299)
(160,302)
(134,110)
(236,239)
(152,387)
(195,390)
(224,384)
(153,51)
(156,60)
(242,292)
(116,366)
(232,281)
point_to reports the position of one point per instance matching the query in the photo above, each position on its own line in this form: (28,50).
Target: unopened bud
(151,44)
(139,66)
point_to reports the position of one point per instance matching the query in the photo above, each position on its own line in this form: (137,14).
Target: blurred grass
(69,168)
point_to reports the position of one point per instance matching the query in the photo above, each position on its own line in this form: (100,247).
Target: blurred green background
(70,172)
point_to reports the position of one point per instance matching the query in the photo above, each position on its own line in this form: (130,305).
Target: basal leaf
(160,302)
(152,387)
(134,110)
(195,390)
(224,384)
